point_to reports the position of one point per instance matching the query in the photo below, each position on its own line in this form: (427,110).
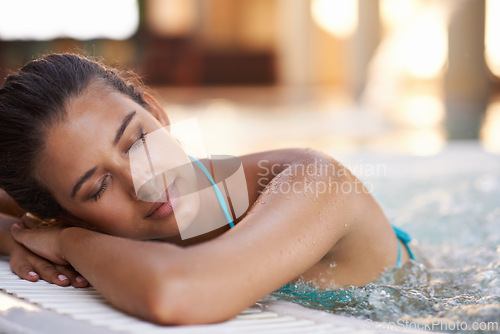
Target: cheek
(109,215)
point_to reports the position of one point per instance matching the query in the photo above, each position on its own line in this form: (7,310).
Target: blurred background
(400,76)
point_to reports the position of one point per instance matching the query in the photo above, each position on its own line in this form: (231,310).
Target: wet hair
(30,102)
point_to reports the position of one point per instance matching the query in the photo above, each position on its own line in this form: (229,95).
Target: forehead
(79,142)
(97,102)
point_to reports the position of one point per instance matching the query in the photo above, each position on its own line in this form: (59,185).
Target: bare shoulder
(261,167)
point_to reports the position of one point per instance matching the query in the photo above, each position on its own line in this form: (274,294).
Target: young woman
(67,126)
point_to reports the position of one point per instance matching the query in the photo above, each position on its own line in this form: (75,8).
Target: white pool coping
(40,307)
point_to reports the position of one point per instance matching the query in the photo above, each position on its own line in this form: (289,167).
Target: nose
(148,186)
(153,190)
(141,174)
(124,174)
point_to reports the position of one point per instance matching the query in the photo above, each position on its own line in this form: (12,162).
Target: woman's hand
(29,266)
(43,241)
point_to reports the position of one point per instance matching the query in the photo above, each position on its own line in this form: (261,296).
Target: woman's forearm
(132,275)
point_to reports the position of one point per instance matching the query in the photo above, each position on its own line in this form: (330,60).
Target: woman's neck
(209,206)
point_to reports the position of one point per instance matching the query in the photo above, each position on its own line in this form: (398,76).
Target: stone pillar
(467,85)
(365,42)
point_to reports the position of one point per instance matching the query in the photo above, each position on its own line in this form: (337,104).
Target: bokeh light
(421,111)
(396,13)
(492,33)
(426,45)
(338,17)
(50,19)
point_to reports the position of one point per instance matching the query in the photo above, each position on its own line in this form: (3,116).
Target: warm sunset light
(338,17)
(50,19)
(492,33)
(421,111)
(395,13)
(426,45)
(418,34)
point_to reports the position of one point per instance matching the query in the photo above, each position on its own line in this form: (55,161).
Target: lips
(165,205)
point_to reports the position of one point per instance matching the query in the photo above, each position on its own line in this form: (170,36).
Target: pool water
(450,205)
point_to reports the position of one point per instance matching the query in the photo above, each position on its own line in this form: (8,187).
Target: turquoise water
(450,204)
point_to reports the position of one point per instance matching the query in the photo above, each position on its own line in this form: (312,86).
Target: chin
(186,211)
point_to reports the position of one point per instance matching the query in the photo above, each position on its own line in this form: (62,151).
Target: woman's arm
(281,237)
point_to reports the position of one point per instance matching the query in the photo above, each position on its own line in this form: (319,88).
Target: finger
(25,271)
(17,232)
(77,280)
(20,234)
(49,273)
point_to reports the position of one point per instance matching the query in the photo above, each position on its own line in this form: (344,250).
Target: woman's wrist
(66,240)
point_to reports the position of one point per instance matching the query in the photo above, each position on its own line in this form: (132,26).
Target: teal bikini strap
(398,262)
(218,193)
(405,239)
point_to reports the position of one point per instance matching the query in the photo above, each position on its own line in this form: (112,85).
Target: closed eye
(102,188)
(139,142)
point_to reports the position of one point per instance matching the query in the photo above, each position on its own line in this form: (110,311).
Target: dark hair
(33,99)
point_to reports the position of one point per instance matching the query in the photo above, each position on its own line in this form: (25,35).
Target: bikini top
(218,193)
(400,234)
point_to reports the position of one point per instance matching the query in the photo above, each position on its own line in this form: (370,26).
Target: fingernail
(62,277)
(32,274)
(80,279)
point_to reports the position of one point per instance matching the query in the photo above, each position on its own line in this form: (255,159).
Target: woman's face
(85,164)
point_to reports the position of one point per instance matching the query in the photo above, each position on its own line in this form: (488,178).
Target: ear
(156,110)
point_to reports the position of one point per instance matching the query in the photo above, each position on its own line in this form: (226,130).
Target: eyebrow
(126,121)
(122,128)
(82,180)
